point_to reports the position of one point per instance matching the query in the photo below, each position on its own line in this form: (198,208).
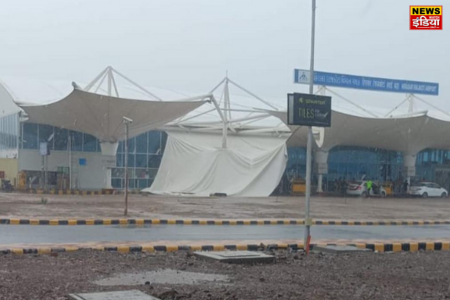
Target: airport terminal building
(19,146)
(20,141)
(85,154)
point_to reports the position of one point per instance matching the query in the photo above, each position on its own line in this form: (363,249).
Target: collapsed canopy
(196,164)
(102,116)
(405,134)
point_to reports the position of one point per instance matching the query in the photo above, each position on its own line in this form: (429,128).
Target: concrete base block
(122,295)
(237,257)
(339,249)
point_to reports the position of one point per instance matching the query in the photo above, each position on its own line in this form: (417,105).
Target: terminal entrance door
(385,172)
(442,176)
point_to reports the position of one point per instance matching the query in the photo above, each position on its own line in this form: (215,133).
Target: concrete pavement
(28,234)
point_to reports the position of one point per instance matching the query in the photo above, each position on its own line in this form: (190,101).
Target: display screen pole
(308,220)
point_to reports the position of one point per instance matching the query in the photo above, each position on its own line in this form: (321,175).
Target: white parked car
(428,189)
(358,188)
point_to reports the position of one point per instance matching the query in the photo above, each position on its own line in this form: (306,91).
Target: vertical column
(320,167)
(409,166)
(109,151)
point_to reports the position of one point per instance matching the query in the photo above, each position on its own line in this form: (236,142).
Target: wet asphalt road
(11,234)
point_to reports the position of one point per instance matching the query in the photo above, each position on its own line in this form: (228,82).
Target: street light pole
(308,220)
(127,122)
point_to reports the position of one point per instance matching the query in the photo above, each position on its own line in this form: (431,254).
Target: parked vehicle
(7,186)
(428,189)
(359,188)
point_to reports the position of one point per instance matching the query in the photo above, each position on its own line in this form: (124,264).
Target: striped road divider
(17,221)
(376,247)
(77,192)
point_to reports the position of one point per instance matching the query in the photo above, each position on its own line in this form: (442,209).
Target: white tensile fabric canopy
(409,135)
(101,116)
(195,164)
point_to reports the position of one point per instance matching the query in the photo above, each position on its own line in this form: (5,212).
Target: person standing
(398,187)
(405,187)
(344,187)
(336,185)
(393,188)
(369,187)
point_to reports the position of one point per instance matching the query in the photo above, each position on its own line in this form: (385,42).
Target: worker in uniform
(369,187)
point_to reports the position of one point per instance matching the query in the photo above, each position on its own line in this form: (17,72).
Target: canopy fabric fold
(409,135)
(195,164)
(102,116)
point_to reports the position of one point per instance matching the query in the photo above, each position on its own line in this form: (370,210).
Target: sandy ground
(16,205)
(421,275)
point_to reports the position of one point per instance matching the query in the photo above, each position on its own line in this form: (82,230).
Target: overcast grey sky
(188,45)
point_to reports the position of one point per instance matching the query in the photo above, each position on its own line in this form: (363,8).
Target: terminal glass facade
(9,135)
(57,139)
(434,165)
(296,165)
(144,157)
(145,151)
(352,163)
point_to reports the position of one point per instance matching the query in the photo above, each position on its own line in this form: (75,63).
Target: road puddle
(161,276)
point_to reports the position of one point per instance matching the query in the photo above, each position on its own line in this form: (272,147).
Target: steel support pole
(308,220)
(225,116)
(126,169)
(70,161)
(46,174)
(43,173)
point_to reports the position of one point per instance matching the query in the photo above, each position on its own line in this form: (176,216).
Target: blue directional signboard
(367,83)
